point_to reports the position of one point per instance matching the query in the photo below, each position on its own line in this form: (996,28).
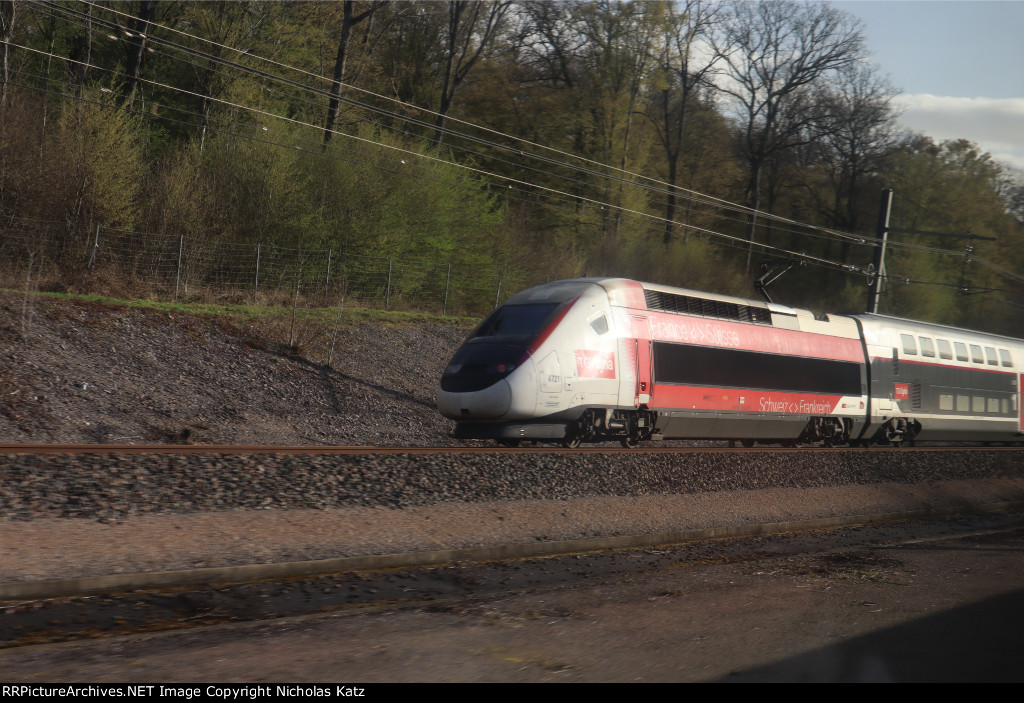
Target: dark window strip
(945,376)
(733,368)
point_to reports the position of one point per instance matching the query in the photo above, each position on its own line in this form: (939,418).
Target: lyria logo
(595,364)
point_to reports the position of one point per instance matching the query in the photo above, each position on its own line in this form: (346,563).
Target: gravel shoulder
(56,548)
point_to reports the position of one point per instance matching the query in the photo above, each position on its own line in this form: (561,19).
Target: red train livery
(593,360)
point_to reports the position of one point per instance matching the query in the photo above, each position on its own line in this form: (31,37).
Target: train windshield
(497,346)
(515,320)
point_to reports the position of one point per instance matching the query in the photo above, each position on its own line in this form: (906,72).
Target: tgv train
(595,360)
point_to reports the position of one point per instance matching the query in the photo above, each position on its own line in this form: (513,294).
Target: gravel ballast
(97,514)
(114,487)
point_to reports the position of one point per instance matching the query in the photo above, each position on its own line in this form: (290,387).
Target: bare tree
(773,53)
(225,24)
(548,42)
(8,11)
(857,133)
(81,51)
(350,18)
(471,28)
(135,50)
(685,70)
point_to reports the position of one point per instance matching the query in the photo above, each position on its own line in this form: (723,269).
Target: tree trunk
(7,14)
(136,50)
(349,20)
(754,199)
(455,10)
(670,205)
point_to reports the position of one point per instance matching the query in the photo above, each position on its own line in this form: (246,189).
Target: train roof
(555,291)
(934,328)
(564,290)
(571,287)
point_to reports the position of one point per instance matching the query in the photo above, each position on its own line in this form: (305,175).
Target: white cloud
(995,124)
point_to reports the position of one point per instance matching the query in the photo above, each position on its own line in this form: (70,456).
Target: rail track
(542,449)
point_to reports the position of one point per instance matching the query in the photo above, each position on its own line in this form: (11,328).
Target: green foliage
(180,200)
(384,197)
(102,147)
(255,182)
(688,262)
(204,148)
(950,187)
(86,164)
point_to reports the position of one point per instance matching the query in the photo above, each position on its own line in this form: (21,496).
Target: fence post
(497,296)
(92,258)
(177,278)
(95,247)
(447,282)
(327,286)
(387,294)
(295,304)
(257,290)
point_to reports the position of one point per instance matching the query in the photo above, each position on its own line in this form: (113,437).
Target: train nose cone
(487,404)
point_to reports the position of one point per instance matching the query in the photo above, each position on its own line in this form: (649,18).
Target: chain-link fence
(41,255)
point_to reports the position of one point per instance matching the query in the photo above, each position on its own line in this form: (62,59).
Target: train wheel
(748,443)
(629,442)
(906,441)
(572,442)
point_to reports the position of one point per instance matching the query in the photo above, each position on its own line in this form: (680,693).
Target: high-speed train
(606,359)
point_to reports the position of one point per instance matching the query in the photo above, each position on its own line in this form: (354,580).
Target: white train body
(949,383)
(599,359)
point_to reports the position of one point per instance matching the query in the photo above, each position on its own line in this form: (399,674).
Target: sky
(959,65)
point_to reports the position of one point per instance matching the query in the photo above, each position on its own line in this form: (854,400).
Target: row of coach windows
(963,352)
(977,404)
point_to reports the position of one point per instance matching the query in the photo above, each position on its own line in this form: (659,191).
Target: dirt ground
(917,605)
(80,372)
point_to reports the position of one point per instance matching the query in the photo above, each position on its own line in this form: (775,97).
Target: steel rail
(369,450)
